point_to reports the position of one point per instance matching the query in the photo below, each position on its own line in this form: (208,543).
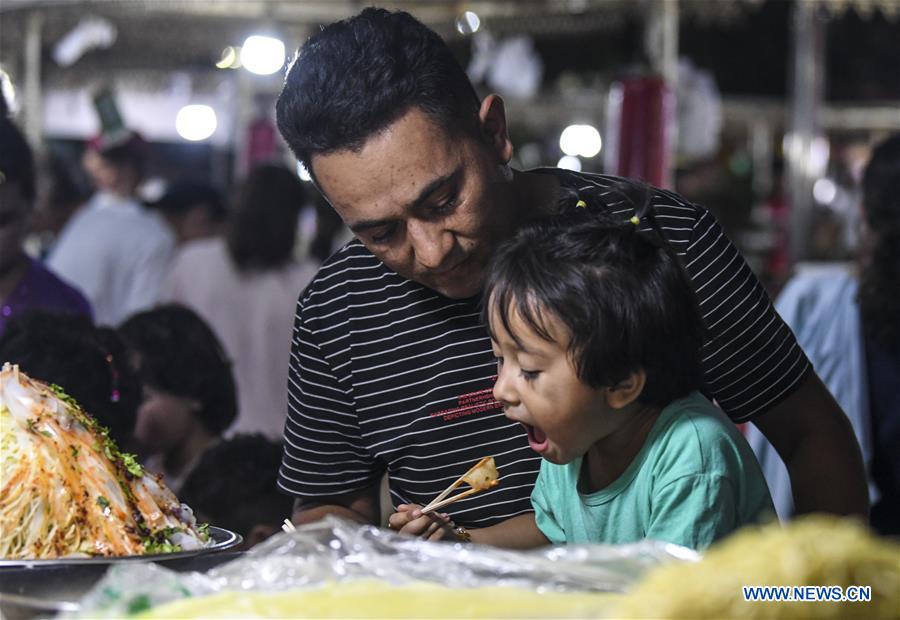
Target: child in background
(189,392)
(598,343)
(233,486)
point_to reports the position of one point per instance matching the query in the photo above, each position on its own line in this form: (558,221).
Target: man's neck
(539,191)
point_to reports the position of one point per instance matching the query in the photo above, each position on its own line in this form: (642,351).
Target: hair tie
(635,220)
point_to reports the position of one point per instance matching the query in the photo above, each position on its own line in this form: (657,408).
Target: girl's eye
(530,375)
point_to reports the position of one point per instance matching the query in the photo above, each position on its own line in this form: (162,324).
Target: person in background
(233,486)
(245,285)
(113,249)
(25,284)
(88,362)
(597,339)
(193,210)
(848,322)
(189,395)
(391,369)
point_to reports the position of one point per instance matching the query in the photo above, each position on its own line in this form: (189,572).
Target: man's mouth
(536,438)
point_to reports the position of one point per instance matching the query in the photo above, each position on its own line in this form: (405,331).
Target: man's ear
(492,117)
(627,390)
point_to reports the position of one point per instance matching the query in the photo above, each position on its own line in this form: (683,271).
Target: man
(390,368)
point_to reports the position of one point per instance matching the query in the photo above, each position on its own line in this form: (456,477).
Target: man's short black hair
(623,300)
(175,351)
(234,485)
(355,77)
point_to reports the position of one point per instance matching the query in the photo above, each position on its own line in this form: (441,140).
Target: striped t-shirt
(388,375)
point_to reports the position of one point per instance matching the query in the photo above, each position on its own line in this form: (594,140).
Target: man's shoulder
(353,267)
(604,185)
(346,265)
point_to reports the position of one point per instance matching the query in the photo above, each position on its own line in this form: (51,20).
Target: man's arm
(362,506)
(816,442)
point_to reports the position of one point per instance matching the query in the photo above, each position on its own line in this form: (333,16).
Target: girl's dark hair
(879,301)
(357,76)
(620,296)
(176,352)
(89,363)
(262,228)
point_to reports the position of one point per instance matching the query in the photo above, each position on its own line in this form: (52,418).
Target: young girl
(598,339)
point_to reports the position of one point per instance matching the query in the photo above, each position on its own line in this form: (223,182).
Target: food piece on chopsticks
(481,476)
(66,490)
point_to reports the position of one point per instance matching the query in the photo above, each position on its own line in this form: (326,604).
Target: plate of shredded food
(68,495)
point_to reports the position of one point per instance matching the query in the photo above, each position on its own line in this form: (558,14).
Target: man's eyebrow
(424,195)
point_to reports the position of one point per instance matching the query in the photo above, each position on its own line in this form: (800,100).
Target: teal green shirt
(694,481)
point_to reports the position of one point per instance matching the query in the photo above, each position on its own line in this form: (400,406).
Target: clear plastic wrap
(335,551)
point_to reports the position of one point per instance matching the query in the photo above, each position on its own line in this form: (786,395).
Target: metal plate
(41,588)
(222,539)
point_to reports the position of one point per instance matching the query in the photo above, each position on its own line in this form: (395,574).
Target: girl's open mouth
(536,438)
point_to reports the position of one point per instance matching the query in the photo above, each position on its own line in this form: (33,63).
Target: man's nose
(431,244)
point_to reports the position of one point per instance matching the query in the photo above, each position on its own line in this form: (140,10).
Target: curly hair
(89,363)
(234,484)
(880,279)
(176,352)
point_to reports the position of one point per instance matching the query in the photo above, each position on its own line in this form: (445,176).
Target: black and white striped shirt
(387,375)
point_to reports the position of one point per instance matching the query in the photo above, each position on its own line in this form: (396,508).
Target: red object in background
(641,116)
(262,144)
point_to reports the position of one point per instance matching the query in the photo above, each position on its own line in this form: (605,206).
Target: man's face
(429,204)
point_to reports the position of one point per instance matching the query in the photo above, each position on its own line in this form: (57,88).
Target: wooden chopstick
(446,491)
(431,505)
(435,505)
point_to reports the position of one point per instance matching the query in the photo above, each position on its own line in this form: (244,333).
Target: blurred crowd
(168,320)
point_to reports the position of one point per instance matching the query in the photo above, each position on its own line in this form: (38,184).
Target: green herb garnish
(102,502)
(129,461)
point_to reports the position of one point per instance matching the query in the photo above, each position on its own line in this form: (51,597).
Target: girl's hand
(409,520)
